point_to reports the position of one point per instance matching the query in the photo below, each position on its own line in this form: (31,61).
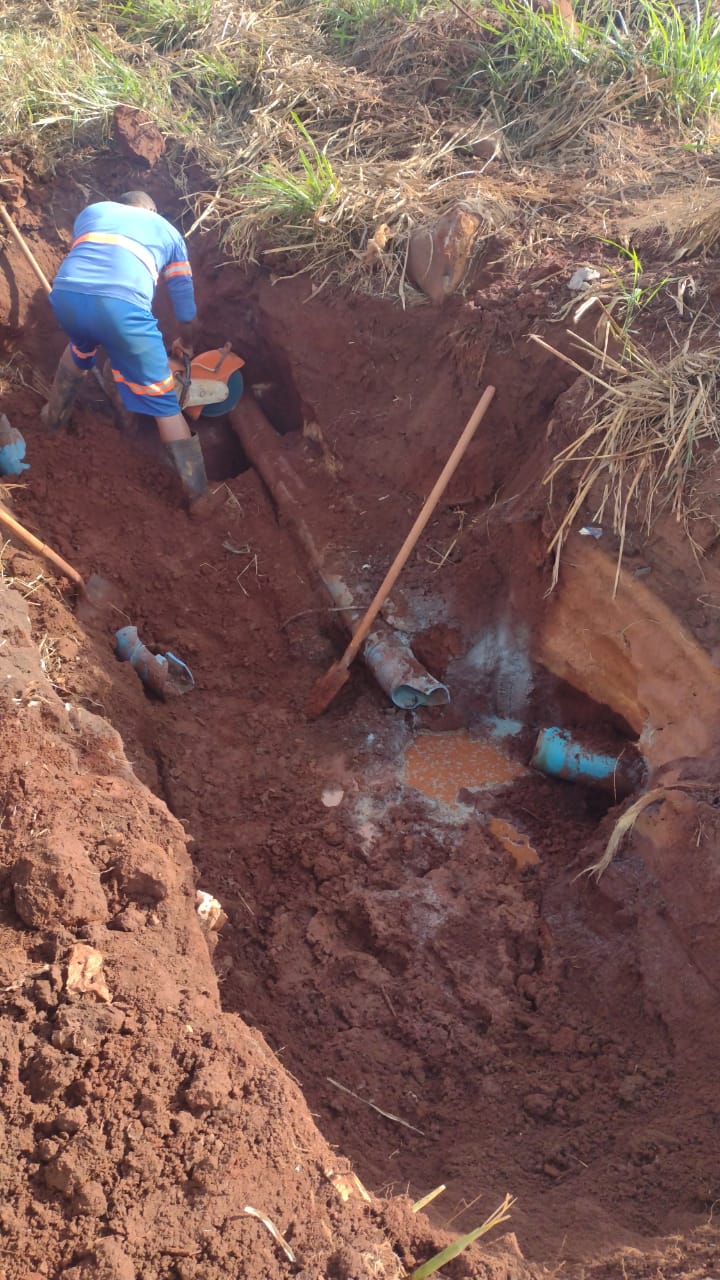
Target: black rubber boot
(190,466)
(66,384)
(189,463)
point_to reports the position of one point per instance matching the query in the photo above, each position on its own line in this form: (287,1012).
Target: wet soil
(523,1029)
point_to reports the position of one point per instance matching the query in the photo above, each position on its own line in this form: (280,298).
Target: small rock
(438,257)
(538,1105)
(332,797)
(631,1088)
(85,972)
(137,137)
(81,1029)
(131,920)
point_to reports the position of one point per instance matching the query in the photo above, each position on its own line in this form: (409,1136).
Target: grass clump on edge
(643,443)
(681,50)
(166,25)
(393,140)
(345,20)
(550,81)
(292,200)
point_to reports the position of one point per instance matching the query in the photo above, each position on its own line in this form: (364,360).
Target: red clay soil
(535,1033)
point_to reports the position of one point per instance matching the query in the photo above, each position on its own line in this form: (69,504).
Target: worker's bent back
(119,251)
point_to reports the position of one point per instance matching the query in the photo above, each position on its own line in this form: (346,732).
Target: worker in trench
(102,295)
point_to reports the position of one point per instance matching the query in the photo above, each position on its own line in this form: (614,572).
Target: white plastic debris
(581,278)
(85,972)
(591,531)
(332,797)
(212,917)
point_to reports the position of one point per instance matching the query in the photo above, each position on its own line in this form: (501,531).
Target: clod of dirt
(144,874)
(137,137)
(81,1029)
(56,884)
(488,147)
(210,1087)
(108,1261)
(12,182)
(438,257)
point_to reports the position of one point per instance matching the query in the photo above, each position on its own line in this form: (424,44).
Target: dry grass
(644,435)
(699,229)
(324,155)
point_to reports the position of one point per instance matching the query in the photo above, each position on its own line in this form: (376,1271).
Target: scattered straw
(387,1114)
(643,438)
(270,1226)
(421,1204)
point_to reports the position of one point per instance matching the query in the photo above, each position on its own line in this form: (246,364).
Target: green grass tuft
(345,20)
(166,25)
(295,198)
(657,62)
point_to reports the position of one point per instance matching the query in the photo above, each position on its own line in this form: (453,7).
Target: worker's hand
(184,343)
(180,348)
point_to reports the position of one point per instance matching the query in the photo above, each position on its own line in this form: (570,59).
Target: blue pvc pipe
(558,754)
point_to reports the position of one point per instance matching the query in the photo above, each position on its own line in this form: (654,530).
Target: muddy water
(440,765)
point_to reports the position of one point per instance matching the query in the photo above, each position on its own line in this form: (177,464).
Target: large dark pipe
(386,652)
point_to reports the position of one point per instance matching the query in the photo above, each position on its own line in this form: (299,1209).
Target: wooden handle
(25,248)
(408,545)
(31,541)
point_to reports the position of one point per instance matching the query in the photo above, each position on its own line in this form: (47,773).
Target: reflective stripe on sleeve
(177,269)
(82,355)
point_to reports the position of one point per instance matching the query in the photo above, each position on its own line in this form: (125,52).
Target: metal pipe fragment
(386,652)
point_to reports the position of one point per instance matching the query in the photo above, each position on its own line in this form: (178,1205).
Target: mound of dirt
(490,1028)
(137,1131)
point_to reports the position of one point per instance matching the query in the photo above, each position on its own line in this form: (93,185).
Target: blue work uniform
(103,293)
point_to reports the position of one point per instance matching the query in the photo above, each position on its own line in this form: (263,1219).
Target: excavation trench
(406,921)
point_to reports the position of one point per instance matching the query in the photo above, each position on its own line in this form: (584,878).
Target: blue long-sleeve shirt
(120,251)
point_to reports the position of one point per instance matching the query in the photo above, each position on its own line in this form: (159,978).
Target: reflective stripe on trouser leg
(157,399)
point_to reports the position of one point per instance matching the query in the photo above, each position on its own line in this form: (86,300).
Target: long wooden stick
(23,245)
(41,547)
(408,546)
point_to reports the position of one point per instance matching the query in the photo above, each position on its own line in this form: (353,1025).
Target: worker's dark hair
(139,198)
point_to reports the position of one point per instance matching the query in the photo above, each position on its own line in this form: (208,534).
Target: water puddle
(442,764)
(514,842)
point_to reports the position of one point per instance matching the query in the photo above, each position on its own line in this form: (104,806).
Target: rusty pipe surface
(386,652)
